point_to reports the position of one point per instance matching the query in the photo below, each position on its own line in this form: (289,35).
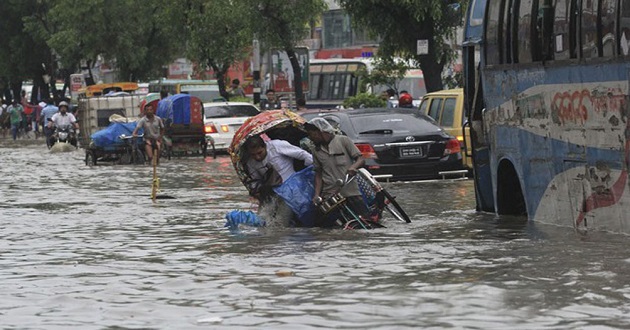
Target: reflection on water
(84,247)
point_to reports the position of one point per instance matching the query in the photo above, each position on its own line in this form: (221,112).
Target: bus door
(474,107)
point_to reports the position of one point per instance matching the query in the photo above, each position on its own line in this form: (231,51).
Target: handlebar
(339,183)
(126,137)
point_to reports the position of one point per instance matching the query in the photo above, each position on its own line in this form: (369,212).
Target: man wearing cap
(334,157)
(63,118)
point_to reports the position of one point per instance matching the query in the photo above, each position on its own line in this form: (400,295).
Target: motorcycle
(65,134)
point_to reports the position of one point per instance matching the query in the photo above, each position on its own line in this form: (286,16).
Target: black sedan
(397,143)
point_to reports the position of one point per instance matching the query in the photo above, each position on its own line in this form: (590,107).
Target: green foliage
(400,23)
(364,100)
(218,35)
(241,99)
(386,71)
(284,24)
(21,54)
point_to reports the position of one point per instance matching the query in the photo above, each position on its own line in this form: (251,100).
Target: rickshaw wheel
(394,208)
(90,158)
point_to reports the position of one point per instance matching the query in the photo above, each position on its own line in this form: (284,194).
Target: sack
(298,191)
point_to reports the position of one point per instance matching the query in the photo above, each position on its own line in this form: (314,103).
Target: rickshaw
(115,144)
(184,128)
(287,125)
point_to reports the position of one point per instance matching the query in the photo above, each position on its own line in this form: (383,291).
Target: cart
(184,127)
(115,144)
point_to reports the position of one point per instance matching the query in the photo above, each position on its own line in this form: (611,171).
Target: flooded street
(84,247)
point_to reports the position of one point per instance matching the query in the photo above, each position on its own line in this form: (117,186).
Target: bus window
(525,32)
(493,33)
(561,30)
(607,40)
(624,30)
(589,29)
(314,85)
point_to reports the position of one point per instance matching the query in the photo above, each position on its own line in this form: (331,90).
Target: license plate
(410,152)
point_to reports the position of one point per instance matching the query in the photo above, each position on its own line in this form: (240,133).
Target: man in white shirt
(271,163)
(63,118)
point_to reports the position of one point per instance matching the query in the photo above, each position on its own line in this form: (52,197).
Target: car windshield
(226,111)
(389,124)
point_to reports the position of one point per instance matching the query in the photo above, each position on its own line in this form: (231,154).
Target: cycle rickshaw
(287,125)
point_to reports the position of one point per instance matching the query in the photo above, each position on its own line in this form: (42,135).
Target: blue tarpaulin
(297,191)
(108,138)
(175,108)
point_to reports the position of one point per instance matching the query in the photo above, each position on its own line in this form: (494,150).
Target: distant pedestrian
(391,98)
(405,100)
(5,122)
(236,89)
(300,104)
(16,111)
(271,102)
(47,112)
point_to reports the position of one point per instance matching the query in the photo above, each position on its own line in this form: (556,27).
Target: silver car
(223,119)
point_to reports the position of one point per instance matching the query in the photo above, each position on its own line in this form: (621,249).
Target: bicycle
(133,154)
(375,197)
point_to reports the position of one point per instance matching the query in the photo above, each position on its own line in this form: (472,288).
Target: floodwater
(85,248)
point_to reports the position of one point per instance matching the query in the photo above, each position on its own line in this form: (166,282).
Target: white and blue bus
(547,99)
(331,81)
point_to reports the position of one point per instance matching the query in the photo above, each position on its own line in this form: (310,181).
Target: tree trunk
(220,75)
(297,73)
(432,72)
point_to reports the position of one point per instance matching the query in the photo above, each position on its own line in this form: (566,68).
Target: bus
(205,90)
(331,81)
(103,89)
(546,97)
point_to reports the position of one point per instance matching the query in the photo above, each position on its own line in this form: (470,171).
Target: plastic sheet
(237,217)
(298,191)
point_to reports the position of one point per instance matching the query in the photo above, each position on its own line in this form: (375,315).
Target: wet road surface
(85,248)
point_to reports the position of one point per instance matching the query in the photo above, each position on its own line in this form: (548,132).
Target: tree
(218,35)
(138,37)
(21,54)
(283,24)
(401,23)
(386,71)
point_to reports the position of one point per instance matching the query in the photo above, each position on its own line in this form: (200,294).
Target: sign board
(77,81)
(422,47)
(281,77)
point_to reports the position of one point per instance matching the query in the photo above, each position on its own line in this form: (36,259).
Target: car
(396,143)
(222,119)
(446,107)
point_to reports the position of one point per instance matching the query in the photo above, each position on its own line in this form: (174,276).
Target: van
(446,107)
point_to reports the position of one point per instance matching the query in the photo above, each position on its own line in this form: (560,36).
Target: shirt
(333,161)
(280,156)
(63,120)
(48,111)
(15,111)
(152,127)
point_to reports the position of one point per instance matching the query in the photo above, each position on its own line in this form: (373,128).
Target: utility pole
(256,67)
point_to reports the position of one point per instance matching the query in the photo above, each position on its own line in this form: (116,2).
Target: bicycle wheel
(137,157)
(90,158)
(394,208)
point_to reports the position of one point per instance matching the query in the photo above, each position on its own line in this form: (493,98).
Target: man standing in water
(153,132)
(334,157)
